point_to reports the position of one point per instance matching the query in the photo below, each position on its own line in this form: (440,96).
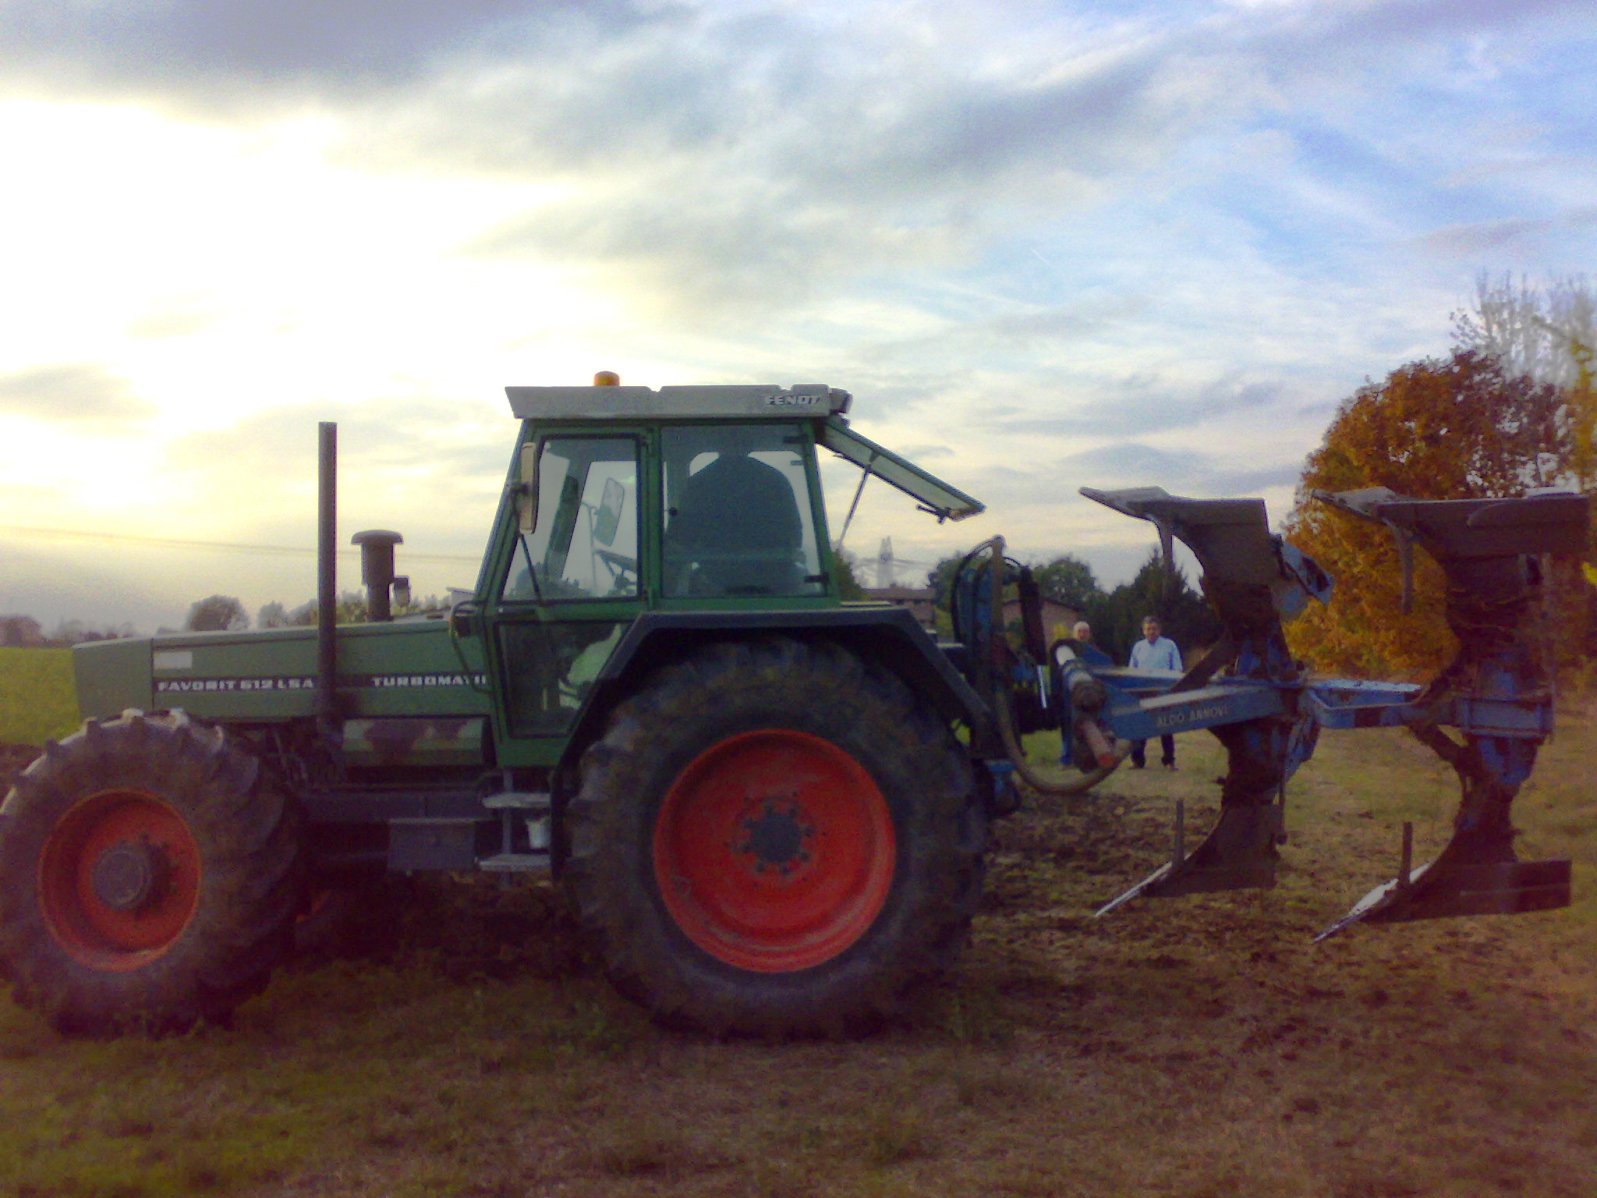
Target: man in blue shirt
(1154,652)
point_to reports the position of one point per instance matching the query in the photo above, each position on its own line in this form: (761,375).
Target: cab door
(567,589)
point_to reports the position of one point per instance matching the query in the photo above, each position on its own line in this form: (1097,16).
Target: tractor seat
(735,531)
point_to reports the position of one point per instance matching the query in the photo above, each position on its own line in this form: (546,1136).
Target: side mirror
(607,520)
(527,495)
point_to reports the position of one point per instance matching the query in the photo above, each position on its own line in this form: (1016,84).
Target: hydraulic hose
(1006,725)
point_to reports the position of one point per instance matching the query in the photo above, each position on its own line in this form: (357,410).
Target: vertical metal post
(326,579)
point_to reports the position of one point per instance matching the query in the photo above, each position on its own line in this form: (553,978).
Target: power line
(227,546)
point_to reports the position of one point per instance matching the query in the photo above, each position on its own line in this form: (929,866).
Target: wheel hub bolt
(776,838)
(126,876)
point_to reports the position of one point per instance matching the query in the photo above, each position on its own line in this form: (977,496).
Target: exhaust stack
(377,572)
(326,579)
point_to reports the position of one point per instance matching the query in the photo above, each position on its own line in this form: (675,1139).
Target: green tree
(349,609)
(1068,580)
(1452,428)
(1184,613)
(1063,579)
(940,578)
(217,613)
(272,615)
(848,583)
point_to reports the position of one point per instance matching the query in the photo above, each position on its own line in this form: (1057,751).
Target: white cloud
(1050,244)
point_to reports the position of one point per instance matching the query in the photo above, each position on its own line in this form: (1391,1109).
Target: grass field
(1196,1047)
(37,699)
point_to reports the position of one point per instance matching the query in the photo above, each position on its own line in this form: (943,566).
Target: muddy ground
(1186,1049)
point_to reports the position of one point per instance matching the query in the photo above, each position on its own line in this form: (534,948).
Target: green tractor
(750,790)
(767,806)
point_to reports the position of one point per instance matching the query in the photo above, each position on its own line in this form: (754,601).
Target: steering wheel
(619,565)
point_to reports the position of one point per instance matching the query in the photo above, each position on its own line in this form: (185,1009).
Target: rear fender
(887,636)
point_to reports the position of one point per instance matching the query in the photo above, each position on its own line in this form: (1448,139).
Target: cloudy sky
(1045,244)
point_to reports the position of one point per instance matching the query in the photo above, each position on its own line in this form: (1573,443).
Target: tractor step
(518,800)
(1238,854)
(532,809)
(515,863)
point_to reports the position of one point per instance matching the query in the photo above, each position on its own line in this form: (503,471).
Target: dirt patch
(1176,1048)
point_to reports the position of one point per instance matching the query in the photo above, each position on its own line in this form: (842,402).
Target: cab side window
(585,543)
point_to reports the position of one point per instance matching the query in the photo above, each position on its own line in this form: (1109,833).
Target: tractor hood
(403,668)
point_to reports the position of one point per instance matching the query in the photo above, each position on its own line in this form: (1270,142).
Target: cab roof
(815,401)
(768,402)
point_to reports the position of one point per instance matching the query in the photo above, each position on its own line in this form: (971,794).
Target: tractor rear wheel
(774,838)
(149,877)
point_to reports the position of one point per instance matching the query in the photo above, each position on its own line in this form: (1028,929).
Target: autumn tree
(1450,428)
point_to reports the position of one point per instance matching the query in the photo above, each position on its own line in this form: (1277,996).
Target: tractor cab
(687,493)
(627,493)
(628,506)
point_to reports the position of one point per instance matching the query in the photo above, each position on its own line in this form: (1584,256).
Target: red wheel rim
(774,850)
(119,879)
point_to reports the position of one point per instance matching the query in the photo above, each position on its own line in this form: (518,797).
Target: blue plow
(1485,714)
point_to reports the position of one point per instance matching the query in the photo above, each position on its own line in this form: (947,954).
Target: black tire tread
(817,687)
(248,833)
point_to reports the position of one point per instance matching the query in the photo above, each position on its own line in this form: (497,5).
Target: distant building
(1058,616)
(921,601)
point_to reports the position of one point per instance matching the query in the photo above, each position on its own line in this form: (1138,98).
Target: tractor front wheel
(774,838)
(148,877)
